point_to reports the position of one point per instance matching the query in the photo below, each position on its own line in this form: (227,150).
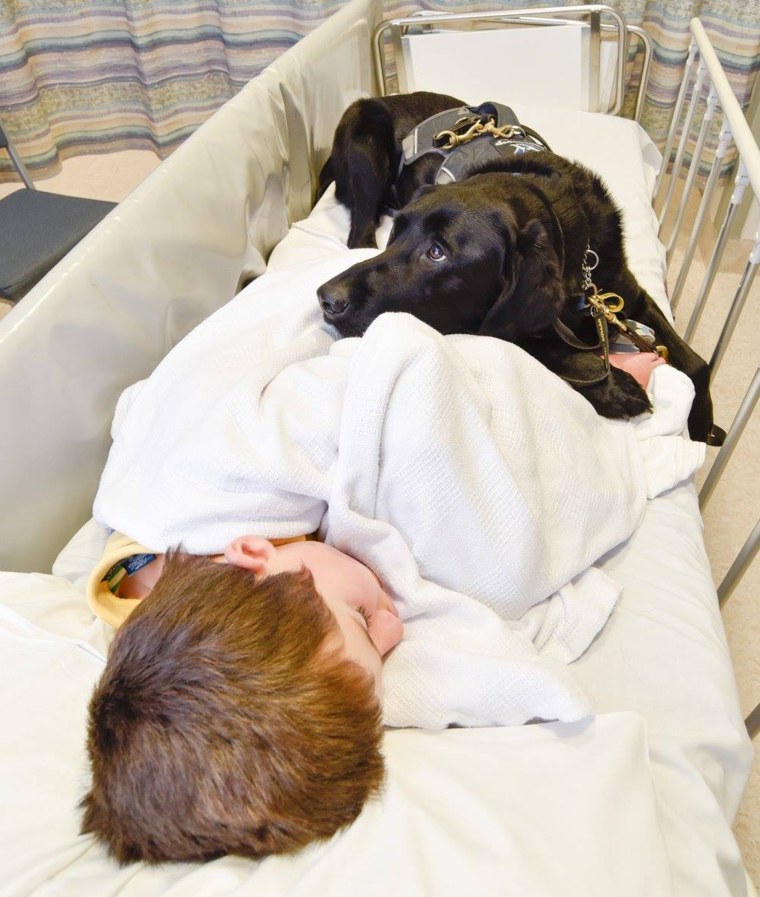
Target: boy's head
(233,715)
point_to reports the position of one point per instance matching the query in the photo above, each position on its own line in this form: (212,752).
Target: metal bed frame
(705,73)
(393,77)
(590,17)
(734,129)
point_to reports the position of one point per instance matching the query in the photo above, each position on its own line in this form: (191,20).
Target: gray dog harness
(467,137)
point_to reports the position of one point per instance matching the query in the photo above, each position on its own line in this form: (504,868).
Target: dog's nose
(332,300)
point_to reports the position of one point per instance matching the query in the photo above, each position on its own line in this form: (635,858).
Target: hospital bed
(638,799)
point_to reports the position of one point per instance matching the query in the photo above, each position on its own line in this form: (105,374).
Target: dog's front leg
(363,156)
(613,393)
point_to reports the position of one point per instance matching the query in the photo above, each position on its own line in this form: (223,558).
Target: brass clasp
(607,304)
(457,137)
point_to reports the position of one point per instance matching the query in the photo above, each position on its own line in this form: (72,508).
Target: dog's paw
(619,396)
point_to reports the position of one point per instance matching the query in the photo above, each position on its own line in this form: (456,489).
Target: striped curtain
(734,30)
(82,76)
(733,27)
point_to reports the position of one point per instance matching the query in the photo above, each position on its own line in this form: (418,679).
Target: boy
(239,708)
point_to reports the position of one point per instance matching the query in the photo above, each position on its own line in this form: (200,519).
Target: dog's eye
(435,252)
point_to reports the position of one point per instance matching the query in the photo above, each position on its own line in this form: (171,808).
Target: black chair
(37,229)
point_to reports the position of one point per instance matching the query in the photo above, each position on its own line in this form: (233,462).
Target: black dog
(365,158)
(504,253)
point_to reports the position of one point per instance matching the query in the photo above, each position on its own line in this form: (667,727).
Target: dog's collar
(459,161)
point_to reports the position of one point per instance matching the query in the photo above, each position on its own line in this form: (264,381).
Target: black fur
(366,153)
(499,253)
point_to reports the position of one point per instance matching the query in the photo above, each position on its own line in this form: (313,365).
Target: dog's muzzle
(333,300)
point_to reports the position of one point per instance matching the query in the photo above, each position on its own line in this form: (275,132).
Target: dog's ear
(532,293)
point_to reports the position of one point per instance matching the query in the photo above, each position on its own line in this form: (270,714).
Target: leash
(603,308)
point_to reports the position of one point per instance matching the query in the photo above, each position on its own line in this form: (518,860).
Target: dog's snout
(332,299)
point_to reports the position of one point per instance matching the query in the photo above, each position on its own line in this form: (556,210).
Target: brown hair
(224,723)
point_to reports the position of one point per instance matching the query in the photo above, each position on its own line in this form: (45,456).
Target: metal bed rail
(588,16)
(704,72)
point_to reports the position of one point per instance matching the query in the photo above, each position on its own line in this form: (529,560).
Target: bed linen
(644,808)
(259,422)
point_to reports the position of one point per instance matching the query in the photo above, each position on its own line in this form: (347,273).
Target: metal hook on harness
(459,136)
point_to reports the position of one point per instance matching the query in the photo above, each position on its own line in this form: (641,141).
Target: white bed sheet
(638,801)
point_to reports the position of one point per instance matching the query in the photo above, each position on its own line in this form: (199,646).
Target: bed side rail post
(734,130)
(740,183)
(732,437)
(707,194)
(646,66)
(710,77)
(677,110)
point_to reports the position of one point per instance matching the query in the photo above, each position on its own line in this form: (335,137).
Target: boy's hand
(638,364)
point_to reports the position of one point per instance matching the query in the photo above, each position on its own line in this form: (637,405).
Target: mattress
(637,799)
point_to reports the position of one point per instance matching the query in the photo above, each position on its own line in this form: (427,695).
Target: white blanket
(471,479)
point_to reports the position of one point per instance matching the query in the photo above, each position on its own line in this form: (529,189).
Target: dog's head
(481,256)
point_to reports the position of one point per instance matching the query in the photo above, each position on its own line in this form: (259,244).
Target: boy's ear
(251,553)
